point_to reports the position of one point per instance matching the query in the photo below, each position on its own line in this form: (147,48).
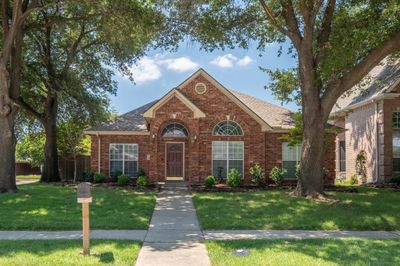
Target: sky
(238,69)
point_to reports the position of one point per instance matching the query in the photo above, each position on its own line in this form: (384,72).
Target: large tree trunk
(7,136)
(50,171)
(310,183)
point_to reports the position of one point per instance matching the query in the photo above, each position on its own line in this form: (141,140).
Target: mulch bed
(249,188)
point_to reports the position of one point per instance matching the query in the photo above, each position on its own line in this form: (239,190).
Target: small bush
(233,179)
(115,176)
(99,178)
(298,171)
(142,181)
(88,176)
(209,181)
(123,180)
(257,174)
(277,174)
(395,180)
(141,172)
(219,174)
(353,180)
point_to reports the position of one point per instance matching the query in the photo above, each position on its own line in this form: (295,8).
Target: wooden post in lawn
(84,197)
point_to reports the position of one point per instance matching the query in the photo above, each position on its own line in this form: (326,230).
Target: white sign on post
(85,197)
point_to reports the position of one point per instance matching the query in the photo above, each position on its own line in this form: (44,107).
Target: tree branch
(325,31)
(20,102)
(272,19)
(338,86)
(291,20)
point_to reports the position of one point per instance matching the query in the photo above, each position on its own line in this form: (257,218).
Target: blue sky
(238,69)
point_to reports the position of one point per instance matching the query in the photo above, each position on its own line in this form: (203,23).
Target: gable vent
(200,88)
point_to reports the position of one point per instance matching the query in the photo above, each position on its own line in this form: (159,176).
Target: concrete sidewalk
(174,236)
(138,235)
(296,234)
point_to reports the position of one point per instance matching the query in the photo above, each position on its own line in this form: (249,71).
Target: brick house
(370,115)
(197,129)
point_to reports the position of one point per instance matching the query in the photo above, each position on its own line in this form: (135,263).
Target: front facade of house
(371,120)
(198,129)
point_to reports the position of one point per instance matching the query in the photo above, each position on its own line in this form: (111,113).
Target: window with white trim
(227,128)
(124,159)
(225,156)
(290,158)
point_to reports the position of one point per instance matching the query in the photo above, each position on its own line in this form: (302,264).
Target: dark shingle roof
(131,121)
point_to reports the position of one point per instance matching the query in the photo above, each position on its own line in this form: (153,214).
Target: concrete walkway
(138,235)
(296,234)
(174,236)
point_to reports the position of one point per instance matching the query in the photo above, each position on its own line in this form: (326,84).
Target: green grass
(49,207)
(370,209)
(67,252)
(306,252)
(28,177)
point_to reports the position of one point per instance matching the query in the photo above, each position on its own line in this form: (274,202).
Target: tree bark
(7,136)
(50,171)
(75,168)
(311,181)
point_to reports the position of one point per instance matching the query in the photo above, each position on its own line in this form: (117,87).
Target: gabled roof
(264,124)
(131,121)
(150,113)
(379,83)
(270,116)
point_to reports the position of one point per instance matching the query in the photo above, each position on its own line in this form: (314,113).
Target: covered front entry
(175,161)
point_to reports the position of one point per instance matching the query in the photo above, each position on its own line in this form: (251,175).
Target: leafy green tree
(13,15)
(336,44)
(31,148)
(70,51)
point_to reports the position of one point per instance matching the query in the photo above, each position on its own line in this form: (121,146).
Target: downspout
(377,142)
(98,152)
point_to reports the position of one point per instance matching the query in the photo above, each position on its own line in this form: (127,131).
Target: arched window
(227,128)
(175,130)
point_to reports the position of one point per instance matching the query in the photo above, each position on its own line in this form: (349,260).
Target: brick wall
(259,147)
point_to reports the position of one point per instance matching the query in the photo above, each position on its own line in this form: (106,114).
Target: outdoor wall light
(153,136)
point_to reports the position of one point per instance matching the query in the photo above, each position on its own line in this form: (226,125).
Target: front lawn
(51,207)
(67,252)
(370,209)
(306,252)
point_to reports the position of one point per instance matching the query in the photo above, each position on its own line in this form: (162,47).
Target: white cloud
(146,69)
(180,64)
(224,61)
(245,61)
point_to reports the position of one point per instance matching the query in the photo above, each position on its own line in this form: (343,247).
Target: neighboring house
(197,129)
(370,115)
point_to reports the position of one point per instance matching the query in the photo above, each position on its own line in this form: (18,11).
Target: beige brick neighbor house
(370,144)
(197,129)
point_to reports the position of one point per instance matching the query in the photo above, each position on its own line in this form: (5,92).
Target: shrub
(277,174)
(115,176)
(257,174)
(353,180)
(209,181)
(99,178)
(233,179)
(298,171)
(142,181)
(395,180)
(123,180)
(88,176)
(140,172)
(219,173)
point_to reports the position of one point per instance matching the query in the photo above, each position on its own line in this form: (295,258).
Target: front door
(174,161)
